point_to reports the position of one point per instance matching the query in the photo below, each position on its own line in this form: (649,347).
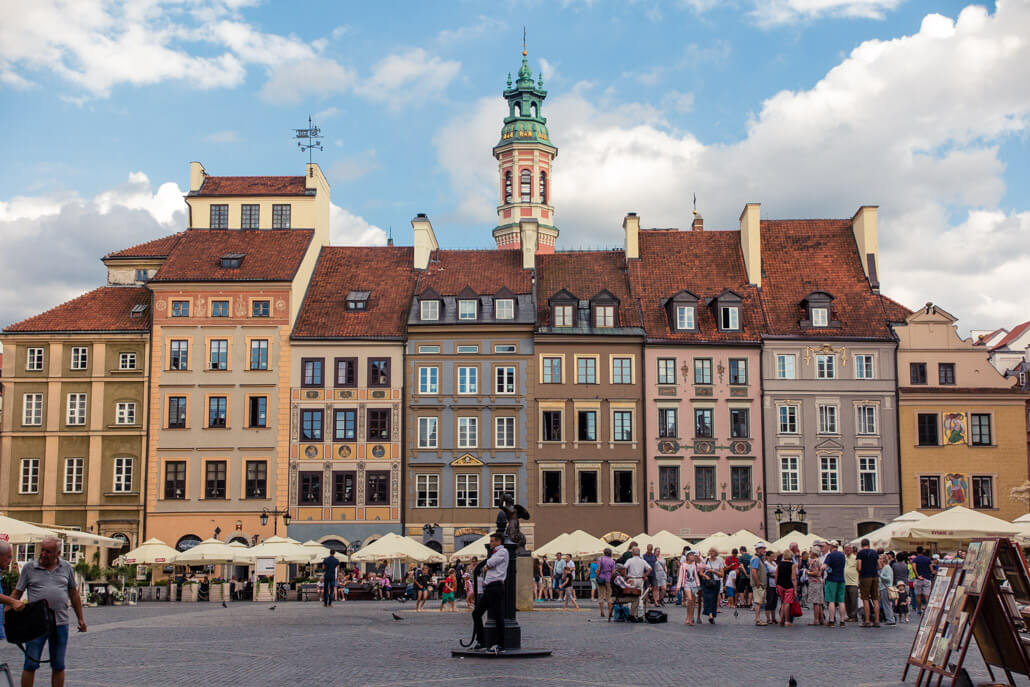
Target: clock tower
(524,155)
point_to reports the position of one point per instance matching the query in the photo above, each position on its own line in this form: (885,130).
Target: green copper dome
(525,121)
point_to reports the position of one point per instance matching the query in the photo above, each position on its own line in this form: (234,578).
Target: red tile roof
(268,255)
(1016,332)
(896,312)
(485,271)
(252,186)
(107,309)
(704,263)
(585,274)
(386,271)
(802,256)
(158,248)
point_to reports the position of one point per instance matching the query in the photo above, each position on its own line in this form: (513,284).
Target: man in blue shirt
(833,587)
(869,583)
(492,600)
(925,570)
(329,565)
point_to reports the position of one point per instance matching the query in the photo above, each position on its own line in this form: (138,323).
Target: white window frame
(685,319)
(604,316)
(504,478)
(429,310)
(820,317)
(468,380)
(632,425)
(860,461)
(74,471)
(829,419)
(790,469)
(34,359)
(829,474)
(28,482)
(467,308)
(466,349)
(429,348)
(504,309)
(76,409)
(506,348)
(861,421)
(122,483)
(468,431)
(80,358)
(32,410)
(429,430)
(428,380)
(865,362)
(658,371)
(125,413)
(785,414)
(504,380)
(732,314)
(826,366)
(786,371)
(125,358)
(563,316)
(467,484)
(428,482)
(615,360)
(504,427)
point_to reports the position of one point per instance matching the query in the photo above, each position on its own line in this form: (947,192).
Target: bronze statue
(508,520)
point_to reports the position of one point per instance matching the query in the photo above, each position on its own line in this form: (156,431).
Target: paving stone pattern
(359,643)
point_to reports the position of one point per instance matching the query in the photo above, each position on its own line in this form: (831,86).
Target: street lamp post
(275,515)
(790,510)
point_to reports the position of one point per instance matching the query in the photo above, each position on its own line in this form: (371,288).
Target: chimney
(863,225)
(751,242)
(529,233)
(425,240)
(197,175)
(631,225)
(698,223)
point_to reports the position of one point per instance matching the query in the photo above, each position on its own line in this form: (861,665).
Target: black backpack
(36,620)
(656,616)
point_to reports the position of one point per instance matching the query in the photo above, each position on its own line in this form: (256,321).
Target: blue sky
(811,107)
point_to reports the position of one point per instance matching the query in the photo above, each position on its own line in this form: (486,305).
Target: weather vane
(311,134)
(524,53)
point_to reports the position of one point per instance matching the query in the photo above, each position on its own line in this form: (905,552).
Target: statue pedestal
(524,590)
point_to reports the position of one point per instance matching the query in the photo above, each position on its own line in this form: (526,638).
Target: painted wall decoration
(956,489)
(954,428)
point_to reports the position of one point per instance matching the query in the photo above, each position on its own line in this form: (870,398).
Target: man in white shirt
(556,569)
(492,600)
(637,570)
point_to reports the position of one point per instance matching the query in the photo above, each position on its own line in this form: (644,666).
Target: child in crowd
(447,589)
(470,600)
(901,605)
(731,588)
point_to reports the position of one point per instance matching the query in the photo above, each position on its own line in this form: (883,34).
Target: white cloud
(292,81)
(548,71)
(256,47)
(327,113)
(227,136)
(339,31)
(354,166)
(912,124)
(406,78)
(483,27)
(348,229)
(774,12)
(678,102)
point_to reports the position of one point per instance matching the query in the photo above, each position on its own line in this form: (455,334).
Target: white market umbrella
(243,556)
(393,547)
(89,539)
(740,538)
(954,528)
(151,552)
(476,549)
(207,552)
(552,547)
(282,549)
(582,544)
(804,541)
(911,516)
(710,542)
(18,532)
(318,551)
(641,539)
(670,545)
(1022,519)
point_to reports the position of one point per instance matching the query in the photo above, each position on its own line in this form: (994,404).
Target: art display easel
(980,599)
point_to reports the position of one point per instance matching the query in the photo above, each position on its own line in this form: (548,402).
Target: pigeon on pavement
(396,617)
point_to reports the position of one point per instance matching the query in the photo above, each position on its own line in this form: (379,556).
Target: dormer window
(563,316)
(729,317)
(430,310)
(816,308)
(563,309)
(137,311)
(504,309)
(466,309)
(820,317)
(604,310)
(357,300)
(604,316)
(231,261)
(726,307)
(684,317)
(681,310)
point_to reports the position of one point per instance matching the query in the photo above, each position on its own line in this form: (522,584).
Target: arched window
(532,108)
(518,109)
(526,186)
(507,187)
(543,187)
(187,542)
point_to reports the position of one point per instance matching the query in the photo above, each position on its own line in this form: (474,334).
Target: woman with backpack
(711,584)
(688,582)
(786,583)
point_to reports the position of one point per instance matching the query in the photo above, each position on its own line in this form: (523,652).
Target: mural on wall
(956,489)
(954,428)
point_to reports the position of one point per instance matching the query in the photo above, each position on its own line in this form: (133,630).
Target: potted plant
(264,589)
(219,590)
(190,590)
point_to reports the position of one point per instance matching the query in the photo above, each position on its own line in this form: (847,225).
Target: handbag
(36,620)
(892,593)
(795,609)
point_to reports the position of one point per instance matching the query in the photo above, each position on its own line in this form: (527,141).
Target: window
(345,422)
(929,491)
(377,487)
(684,319)
(785,366)
(358,300)
(622,491)
(257,415)
(666,370)
(29,483)
(179,355)
(980,429)
(586,486)
(863,367)
(346,372)
(428,380)
(505,348)
(730,317)
(468,432)
(738,371)
(311,372)
(507,187)
(219,308)
(790,474)
(552,370)
(122,474)
(504,309)
(256,482)
(983,492)
(668,482)
(250,216)
(34,359)
(504,432)
(379,424)
(551,425)
(740,482)
(73,471)
(829,473)
(175,479)
(704,482)
(525,186)
(125,413)
(430,310)
(543,187)
(176,412)
(310,425)
(468,380)
(466,491)
(820,317)
(468,348)
(503,484)
(586,425)
(946,374)
(344,493)
(259,354)
(668,424)
(310,484)
(261,309)
(604,316)
(702,370)
(76,409)
(622,370)
(504,380)
(281,216)
(703,423)
(868,474)
(827,419)
(126,361)
(825,367)
(466,309)
(586,370)
(219,216)
(866,419)
(80,357)
(180,308)
(427,491)
(219,355)
(563,316)
(917,373)
(551,486)
(622,425)
(926,426)
(378,372)
(216,409)
(740,423)
(428,436)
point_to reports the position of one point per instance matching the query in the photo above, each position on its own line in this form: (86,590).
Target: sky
(810,107)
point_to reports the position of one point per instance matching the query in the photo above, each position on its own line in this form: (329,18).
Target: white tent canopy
(710,542)
(641,539)
(804,541)
(151,552)
(17,532)
(670,545)
(393,547)
(953,529)
(736,540)
(282,549)
(209,551)
(476,549)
